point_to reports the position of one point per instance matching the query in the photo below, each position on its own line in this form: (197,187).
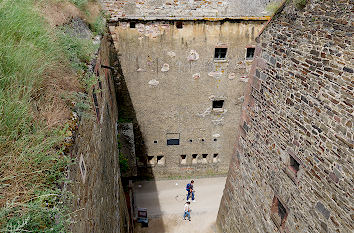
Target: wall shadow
(126,114)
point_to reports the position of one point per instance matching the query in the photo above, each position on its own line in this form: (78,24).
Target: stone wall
(185,9)
(173,80)
(98,202)
(293,169)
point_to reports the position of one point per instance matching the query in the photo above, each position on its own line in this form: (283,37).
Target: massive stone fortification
(185,9)
(185,78)
(292,170)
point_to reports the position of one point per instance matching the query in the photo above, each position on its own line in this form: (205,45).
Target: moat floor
(165,200)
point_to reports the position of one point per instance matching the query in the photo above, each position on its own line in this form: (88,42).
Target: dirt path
(165,200)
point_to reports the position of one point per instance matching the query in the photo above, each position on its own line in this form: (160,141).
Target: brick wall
(292,168)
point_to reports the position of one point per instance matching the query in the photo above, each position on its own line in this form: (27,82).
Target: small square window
(194,158)
(250,53)
(215,158)
(215,139)
(190,140)
(218,103)
(179,24)
(220,53)
(183,159)
(279,213)
(160,160)
(132,24)
(155,142)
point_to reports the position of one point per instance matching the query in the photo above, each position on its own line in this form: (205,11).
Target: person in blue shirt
(190,190)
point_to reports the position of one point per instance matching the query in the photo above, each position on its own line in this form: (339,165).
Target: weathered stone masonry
(99,204)
(292,169)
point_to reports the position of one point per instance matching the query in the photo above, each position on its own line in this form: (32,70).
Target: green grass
(32,162)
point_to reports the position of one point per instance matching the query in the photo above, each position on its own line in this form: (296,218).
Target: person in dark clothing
(190,190)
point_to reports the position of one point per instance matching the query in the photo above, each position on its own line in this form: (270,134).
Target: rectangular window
(218,103)
(132,24)
(250,53)
(179,24)
(95,101)
(220,53)
(279,213)
(183,159)
(172,139)
(294,165)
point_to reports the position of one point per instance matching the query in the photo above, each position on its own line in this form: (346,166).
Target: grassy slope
(32,162)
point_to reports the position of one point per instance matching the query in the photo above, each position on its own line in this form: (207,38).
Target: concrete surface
(165,200)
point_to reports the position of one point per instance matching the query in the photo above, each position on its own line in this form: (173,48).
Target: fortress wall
(292,168)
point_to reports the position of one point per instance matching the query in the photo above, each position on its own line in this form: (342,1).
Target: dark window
(294,164)
(215,139)
(172,141)
(94,96)
(218,103)
(183,156)
(132,24)
(155,142)
(250,53)
(205,156)
(179,24)
(281,211)
(172,138)
(203,140)
(190,140)
(220,53)
(194,156)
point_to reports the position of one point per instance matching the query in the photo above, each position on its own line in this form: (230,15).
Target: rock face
(292,168)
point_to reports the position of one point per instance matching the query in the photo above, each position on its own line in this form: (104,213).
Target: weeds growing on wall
(300,4)
(32,162)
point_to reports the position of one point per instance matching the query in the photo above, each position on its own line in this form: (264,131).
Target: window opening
(190,140)
(220,53)
(172,138)
(179,24)
(203,140)
(215,139)
(218,103)
(279,213)
(151,160)
(205,158)
(215,158)
(183,159)
(294,165)
(194,158)
(155,142)
(250,53)
(160,160)
(94,96)
(132,24)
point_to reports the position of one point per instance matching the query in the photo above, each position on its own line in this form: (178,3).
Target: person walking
(190,190)
(187,211)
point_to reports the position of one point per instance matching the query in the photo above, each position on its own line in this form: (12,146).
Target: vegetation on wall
(32,158)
